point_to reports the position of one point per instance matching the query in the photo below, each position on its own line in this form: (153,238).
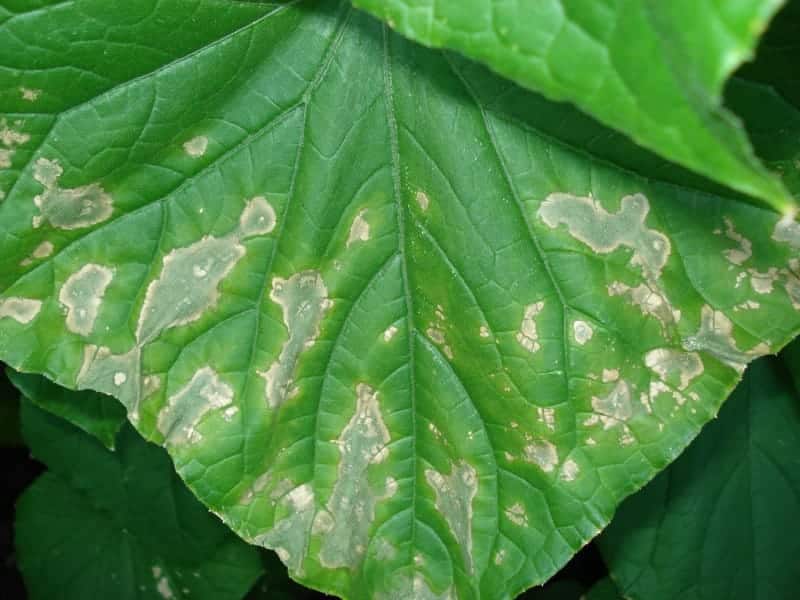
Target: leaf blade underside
(363,302)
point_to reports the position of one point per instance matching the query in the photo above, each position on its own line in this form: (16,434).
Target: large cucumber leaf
(102,524)
(721,522)
(384,312)
(654,70)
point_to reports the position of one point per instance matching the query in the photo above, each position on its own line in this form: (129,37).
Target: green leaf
(389,313)
(97,414)
(721,522)
(605,589)
(104,524)
(766,93)
(653,70)
(9,415)
(791,358)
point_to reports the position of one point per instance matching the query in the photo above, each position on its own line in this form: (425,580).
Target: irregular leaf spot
(74,208)
(547,416)
(419,590)
(41,251)
(582,332)
(9,138)
(197,146)
(603,232)
(351,508)
(22,310)
(715,336)
(615,408)
(454,495)
(82,294)
(162,583)
(543,454)
(259,485)
(359,230)
(674,367)
(258,218)
(98,371)
(422,200)
(747,305)
(304,301)
(651,302)
(436,332)
(787,230)
(740,255)
(792,284)
(516,514)
(187,286)
(178,420)
(610,375)
(390,332)
(570,470)
(29,94)
(763,283)
(528,336)
(484,331)
(289,536)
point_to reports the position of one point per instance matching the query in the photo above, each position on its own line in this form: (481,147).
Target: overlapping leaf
(654,70)
(102,524)
(98,414)
(385,316)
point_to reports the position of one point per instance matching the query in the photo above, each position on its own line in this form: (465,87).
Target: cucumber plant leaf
(653,70)
(102,524)
(605,589)
(721,521)
(791,358)
(95,413)
(385,319)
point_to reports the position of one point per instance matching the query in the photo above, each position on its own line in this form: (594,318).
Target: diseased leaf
(97,414)
(385,316)
(653,70)
(120,524)
(721,522)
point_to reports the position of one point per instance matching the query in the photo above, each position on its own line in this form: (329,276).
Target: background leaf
(119,525)
(387,316)
(605,589)
(721,522)
(97,414)
(654,70)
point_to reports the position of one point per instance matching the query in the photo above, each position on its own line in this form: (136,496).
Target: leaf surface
(386,316)
(653,70)
(97,414)
(102,524)
(721,521)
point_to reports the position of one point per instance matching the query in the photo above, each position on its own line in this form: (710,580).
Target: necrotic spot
(82,295)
